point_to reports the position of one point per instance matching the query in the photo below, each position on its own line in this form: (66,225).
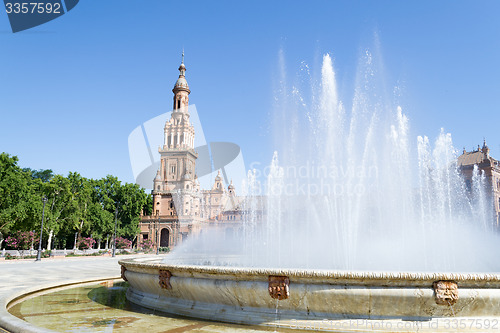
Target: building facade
(180,207)
(491,168)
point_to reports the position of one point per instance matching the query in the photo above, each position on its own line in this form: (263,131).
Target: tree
(132,200)
(59,208)
(78,215)
(76,206)
(16,196)
(106,195)
(44,175)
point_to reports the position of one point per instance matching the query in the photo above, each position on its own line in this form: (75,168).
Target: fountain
(363,231)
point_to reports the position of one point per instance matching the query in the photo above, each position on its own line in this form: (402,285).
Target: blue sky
(72,90)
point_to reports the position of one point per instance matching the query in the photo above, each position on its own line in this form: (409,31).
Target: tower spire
(181,84)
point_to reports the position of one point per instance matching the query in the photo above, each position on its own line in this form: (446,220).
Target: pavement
(21,277)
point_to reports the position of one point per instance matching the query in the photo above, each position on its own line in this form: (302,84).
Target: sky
(73,89)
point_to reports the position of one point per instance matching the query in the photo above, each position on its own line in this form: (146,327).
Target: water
(104,308)
(350,189)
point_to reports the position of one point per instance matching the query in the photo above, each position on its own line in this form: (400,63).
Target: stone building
(491,168)
(180,207)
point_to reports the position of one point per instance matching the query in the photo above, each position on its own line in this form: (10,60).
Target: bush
(164,249)
(22,240)
(147,245)
(85,243)
(123,243)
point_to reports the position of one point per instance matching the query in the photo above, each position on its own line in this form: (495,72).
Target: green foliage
(164,249)
(16,194)
(74,204)
(43,175)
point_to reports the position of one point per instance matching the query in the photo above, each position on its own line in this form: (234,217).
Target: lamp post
(114,236)
(39,254)
(157,240)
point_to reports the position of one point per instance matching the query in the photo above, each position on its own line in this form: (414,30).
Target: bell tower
(181,90)
(176,179)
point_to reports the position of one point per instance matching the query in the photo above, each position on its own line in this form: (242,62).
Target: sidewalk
(22,276)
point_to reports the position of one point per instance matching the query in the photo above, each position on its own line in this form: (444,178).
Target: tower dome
(181,83)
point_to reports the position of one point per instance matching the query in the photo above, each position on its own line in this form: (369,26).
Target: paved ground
(24,276)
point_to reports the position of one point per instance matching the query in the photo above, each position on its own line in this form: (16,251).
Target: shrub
(85,243)
(22,240)
(123,243)
(164,249)
(146,245)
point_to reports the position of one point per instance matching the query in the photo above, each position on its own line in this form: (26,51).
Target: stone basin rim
(487,280)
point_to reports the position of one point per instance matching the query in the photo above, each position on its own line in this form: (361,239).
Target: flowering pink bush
(22,240)
(146,245)
(85,243)
(123,243)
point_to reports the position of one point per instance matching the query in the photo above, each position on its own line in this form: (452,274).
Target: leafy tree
(132,199)
(16,196)
(43,175)
(75,206)
(80,194)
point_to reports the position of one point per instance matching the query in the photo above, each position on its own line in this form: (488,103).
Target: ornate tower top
(486,150)
(181,83)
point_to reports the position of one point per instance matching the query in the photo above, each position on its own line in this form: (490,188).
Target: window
(158,187)
(178,103)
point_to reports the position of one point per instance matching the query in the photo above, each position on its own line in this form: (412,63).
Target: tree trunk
(107,242)
(49,241)
(76,235)
(98,244)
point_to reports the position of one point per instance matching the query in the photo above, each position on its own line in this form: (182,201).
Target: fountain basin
(249,295)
